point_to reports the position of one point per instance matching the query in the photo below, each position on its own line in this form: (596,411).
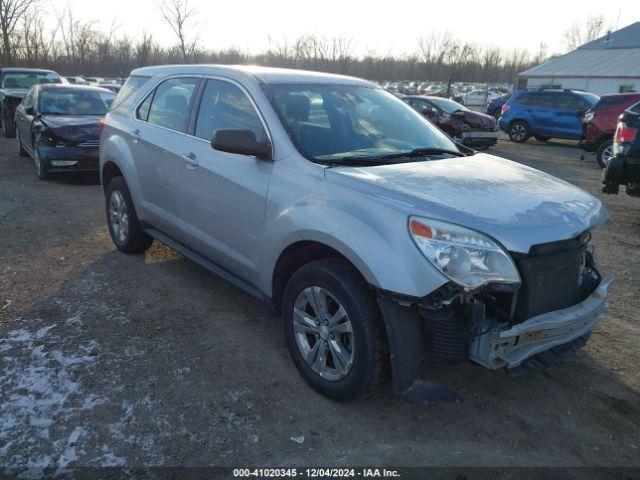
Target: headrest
(297,107)
(176,103)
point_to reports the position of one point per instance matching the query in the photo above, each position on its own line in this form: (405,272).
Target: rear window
(133,83)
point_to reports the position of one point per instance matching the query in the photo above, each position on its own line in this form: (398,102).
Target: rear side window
(568,101)
(133,83)
(170,104)
(225,106)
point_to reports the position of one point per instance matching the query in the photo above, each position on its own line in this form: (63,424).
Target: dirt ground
(109,359)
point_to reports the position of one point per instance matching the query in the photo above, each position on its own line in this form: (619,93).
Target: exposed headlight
(589,116)
(465,256)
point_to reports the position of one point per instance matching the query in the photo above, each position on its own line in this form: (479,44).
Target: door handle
(136,135)
(191,160)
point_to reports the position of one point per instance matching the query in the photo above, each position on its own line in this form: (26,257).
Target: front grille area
(551,277)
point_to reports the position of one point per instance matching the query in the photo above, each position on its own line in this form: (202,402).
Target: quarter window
(143,109)
(170,105)
(225,106)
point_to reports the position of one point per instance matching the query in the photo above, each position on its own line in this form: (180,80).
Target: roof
(262,74)
(627,37)
(66,86)
(28,70)
(615,57)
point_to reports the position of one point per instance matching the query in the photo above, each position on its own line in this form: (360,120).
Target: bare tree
(581,33)
(179,15)
(11,11)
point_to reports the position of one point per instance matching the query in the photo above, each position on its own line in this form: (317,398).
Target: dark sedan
(57,125)
(472,129)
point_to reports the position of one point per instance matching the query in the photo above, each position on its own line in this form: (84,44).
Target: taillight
(624,134)
(101,126)
(505,108)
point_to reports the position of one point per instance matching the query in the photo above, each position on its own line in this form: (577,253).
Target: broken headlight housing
(468,258)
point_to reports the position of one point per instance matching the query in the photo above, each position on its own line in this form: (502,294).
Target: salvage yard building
(610,64)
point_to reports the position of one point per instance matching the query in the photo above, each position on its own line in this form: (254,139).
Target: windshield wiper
(425,152)
(352,161)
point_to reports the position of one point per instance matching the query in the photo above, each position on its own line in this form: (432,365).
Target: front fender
(373,236)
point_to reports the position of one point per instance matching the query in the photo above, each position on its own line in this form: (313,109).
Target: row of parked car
(567,114)
(384,244)
(471,94)
(54,122)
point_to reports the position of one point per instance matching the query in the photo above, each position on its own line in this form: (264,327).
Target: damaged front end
(517,326)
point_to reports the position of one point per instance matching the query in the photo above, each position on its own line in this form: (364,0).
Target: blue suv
(544,114)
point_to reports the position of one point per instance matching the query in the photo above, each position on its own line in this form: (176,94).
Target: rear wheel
(125,229)
(334,330)
(604,154)
(518,131)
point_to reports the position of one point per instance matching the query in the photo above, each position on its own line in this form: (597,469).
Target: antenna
(618,20)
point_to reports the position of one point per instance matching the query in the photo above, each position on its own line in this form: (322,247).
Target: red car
(473,129)
(599,124)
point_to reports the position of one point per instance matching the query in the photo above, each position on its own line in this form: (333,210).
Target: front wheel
(41,165)
(125,229)
(334,330)
(604,154)
(519,132)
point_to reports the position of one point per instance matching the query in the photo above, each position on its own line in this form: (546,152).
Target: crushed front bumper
(502,346)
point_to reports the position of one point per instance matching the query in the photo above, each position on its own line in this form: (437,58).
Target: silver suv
(384,246)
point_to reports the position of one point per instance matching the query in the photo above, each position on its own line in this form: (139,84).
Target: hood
(479,121)
(15,92)
(515,204)
(76,127)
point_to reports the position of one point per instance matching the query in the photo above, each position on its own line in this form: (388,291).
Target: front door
(224,194)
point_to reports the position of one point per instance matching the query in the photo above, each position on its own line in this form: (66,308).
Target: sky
(381,26)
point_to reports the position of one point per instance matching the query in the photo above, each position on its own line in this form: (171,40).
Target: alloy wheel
(323,333)
(607,155)
(518,132)
(119,216)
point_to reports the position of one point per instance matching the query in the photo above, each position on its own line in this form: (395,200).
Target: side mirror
(29,111)
(458,114)
(430,112)
(242,142)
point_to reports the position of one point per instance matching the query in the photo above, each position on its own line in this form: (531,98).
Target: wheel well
(109,172)
(521,121)
(604,138)
(291,259)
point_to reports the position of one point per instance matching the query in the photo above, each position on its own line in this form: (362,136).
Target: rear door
(23,121)
(568,115)
(157,141)
(224,194)
(543,113)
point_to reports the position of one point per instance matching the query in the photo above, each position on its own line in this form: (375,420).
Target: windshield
(28,79)
(74,102)
(448,106)
(341,123)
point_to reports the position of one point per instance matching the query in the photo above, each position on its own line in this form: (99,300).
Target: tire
(541,138)
(364,364)
(21,151)
(518,131)
(41,165)
(125,229)
(8,128)
(604,153)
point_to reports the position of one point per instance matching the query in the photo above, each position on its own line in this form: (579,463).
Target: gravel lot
(109,359)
